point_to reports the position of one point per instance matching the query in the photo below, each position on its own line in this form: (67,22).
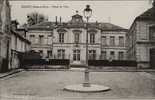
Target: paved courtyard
(48,85)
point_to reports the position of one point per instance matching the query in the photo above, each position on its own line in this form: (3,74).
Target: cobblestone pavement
(48,85)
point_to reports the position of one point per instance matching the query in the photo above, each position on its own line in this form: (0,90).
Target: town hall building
(67,40)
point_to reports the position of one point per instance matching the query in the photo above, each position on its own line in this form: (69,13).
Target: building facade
(41,37)
(19,45)
(12,42)
(67,40)
(4,34)
(141,39)
(113,44)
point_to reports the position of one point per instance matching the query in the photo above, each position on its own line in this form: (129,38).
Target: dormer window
(76,19)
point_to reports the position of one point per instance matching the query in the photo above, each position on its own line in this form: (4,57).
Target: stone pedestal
(91,88)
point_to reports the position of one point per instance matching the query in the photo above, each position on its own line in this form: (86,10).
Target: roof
(147,15)
(76,19)
(51,25)
(77,16)
(42,26)
(75,22)
(19,36)
(109,26)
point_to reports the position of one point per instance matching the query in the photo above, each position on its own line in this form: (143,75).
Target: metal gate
(152,58)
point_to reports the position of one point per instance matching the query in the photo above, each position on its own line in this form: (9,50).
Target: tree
(35,17)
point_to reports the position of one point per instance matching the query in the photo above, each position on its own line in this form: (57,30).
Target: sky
(120,13)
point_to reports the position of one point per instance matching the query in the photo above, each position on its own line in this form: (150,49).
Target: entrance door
(76,56)
(152,58)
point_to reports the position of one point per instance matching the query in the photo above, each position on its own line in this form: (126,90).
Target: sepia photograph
(77,49)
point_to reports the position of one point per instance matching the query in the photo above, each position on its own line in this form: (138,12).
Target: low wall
(127,63)
(43,63)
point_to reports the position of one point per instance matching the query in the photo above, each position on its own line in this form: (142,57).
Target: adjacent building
(113,42)
(41,37)
(4,34)
(19,45)
(12,40)
(141,39)
(67,40)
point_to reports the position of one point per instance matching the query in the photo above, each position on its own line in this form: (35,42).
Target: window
(61,54)
(61,37)
(92,38)
(41,37)
(112,55)
(49,53)
(76,37)
(92,54)
(77,19)
(76,55)
(120,55)
(49,39)
(104,40)
(41,52)
(103,55)
(32,38)
(152,33)
(112,40)
(121,41)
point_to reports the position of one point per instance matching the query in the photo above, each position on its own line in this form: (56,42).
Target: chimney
(56,20)
(60,19)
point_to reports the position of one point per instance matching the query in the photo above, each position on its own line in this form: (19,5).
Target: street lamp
(87,14)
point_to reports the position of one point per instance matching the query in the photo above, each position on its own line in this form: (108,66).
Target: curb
(102,70)
(46,69)
(139,70)
(10,73)
(97,70)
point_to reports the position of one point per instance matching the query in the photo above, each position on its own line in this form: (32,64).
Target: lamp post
(86,86)
(87,14)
